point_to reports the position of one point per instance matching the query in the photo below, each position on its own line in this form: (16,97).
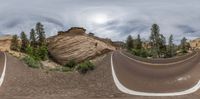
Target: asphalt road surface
(22,82)
(2,61)
(143,77)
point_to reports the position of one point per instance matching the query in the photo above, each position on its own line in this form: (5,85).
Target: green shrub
(184,51)
(145,53)
(70,64)
(42,52)
(31,62)
(85,67)
(141,52)
(29,50)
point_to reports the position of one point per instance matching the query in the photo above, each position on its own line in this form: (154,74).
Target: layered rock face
(75,44)
(195,44)
(5,42)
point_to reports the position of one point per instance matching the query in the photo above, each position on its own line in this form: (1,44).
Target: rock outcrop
(5,42)
(195,44)
(75,44)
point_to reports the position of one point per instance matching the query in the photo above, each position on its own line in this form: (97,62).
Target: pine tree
(42,52)
(129,42)
(15,43)
(155,40)
(33,42)
(139,42)
(171,47)
(162,46)
(41,34)
(184,45)
(24,42)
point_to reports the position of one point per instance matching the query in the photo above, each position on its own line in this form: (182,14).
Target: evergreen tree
(162,46)
(30,51)
(171,47)
(15,43)
(42,52)
(155,40)
(24,42)
(33,42)
(129,42)
(41,34)
(139,42)
(184,45)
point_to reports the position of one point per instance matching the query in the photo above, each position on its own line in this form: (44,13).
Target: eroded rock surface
(75,44)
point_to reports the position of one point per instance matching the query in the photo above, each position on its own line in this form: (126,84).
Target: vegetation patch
(71,64)
(31,62)
(85,67)
(157,46)
(141,52)
(34,46)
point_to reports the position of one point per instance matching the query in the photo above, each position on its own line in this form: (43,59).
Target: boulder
(75,44)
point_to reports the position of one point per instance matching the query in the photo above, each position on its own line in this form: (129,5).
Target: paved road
(2,61)
(157,79)
(22,82)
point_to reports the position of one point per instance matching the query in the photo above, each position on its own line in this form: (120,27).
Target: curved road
(22,82)
(169,78)
(3,61)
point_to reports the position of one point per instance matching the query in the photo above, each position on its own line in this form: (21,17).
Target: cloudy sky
(114,19)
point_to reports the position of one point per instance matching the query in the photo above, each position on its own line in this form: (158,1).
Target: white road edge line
(4,70)
(156,63)
(123,89)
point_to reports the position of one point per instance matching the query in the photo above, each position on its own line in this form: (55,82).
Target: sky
(115,19)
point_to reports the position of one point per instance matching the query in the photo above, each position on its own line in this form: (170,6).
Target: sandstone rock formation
(75,44)
(5,42)
(195,44)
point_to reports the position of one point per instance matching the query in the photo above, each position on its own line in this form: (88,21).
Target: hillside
(75,44)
